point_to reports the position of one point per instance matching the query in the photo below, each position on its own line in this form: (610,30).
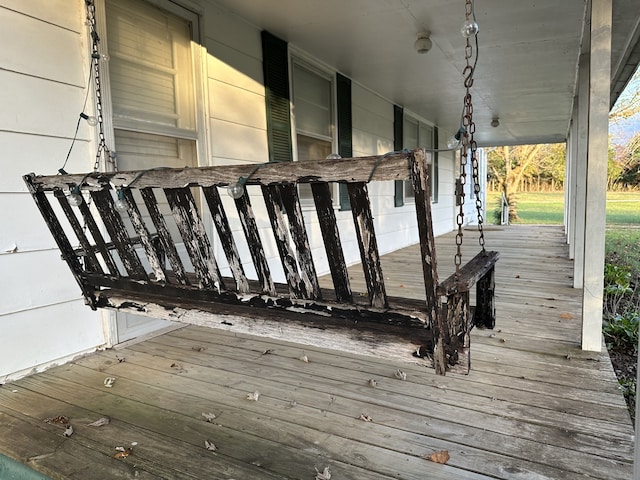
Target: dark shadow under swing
(141,261)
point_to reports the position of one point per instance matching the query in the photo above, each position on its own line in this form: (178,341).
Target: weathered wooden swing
(140,261)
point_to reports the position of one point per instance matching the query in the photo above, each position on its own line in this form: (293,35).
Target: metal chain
(103,149)
(469,149)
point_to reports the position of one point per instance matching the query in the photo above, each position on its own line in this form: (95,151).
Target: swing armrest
(469,274)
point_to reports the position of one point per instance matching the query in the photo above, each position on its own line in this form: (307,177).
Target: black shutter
(275,64)
(434,166)
(398,134)
(345,129)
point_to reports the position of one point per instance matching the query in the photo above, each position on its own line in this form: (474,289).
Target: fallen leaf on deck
(59,420)
(438,457)
(442,387)
(400,374)
(324,475)
(365,418)
(121,359)
(253,396)
(209,417)
(566,315)
(109,381)
(177,366)
(210,446)
(373,382)
(69,431)
(100,422)
(268,351)
(304,358)
(198,349)
(123,452)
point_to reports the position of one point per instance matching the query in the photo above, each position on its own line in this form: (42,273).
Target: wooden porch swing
(140,261)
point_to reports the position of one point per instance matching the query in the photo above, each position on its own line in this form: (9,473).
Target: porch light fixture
(423,43)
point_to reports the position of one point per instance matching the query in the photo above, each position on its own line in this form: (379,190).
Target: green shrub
(621,330)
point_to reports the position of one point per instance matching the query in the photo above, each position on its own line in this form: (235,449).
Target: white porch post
(596,174)
(580,178)
(570,181)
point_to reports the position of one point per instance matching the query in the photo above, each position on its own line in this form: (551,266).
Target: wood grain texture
(189,222)
(394,167)
(117,231)
(369,253)
(225,234)
(331,237)
(168,245)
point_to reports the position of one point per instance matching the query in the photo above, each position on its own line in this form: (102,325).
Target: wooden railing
(130,260)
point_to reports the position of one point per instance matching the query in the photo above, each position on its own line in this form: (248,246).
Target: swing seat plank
(162,256)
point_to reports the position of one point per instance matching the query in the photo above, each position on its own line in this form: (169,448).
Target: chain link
(469,151)
(103,150)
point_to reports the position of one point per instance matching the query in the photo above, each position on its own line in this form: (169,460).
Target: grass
(623,208)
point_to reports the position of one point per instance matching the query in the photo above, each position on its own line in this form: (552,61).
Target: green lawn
(623,208)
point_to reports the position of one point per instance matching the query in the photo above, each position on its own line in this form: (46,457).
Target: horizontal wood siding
(43,77)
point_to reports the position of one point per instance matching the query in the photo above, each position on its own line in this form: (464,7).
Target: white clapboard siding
(39,106)
(239,142)
(35,279)
(23,153)
(372,122)
(232,104)
(45,50)
(41,337)
(68,14)
(223,28)
(27,231)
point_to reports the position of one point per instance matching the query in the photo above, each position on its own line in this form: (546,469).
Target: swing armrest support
(469,274)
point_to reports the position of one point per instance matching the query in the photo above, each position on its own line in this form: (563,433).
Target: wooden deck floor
(534,406)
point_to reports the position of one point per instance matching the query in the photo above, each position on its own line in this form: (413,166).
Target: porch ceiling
(526,73)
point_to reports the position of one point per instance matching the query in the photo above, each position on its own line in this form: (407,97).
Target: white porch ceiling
(526,73)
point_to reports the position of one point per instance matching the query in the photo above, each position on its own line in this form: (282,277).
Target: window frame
(299,59)
(407,197)
(199,132)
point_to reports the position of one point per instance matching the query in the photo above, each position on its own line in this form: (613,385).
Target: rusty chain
(469,150)
(103,149)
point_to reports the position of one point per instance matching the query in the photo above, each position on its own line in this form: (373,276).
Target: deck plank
(534,406)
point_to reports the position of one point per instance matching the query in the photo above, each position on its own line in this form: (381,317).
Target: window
(416,134)
(313,115)
(151,85)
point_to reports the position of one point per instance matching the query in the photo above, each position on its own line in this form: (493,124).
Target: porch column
(596,175)
(580,178)
(571,171)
